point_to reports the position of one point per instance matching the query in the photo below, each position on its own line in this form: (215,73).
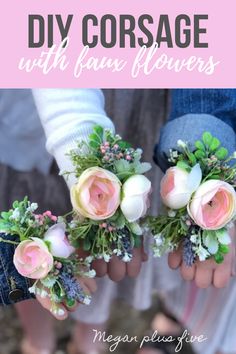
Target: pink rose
(32,259)
(97,194)
(177,186)
(213,205)
(58,242)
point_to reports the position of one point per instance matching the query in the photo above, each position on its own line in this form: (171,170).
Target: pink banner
(118,44)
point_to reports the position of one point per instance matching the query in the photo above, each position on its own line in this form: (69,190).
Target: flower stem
(9,241)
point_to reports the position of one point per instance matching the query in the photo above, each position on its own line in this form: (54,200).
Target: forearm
(68,116)
(13,286)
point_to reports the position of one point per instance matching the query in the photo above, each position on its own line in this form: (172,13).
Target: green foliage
(90,155)
(222,153)
(214,144)
(184,165)
(199,154)
(212,157)
(207,139)
(199,145)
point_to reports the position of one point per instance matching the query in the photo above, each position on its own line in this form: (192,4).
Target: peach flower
(97,194)
(213,205)
(32,259)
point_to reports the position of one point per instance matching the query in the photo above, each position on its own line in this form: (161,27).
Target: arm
(13,286)
(67,116)
(193,112)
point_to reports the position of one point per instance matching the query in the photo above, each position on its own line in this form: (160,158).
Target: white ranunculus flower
(135,193)
(177,186)
(59,245)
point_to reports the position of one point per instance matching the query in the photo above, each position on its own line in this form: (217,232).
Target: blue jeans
(220,103)
(13,287)
(194,111)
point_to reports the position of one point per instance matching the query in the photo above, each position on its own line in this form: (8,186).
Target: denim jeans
(194,111)
(220,103)
(13,287)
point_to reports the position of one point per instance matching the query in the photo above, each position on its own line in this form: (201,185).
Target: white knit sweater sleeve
(68,116)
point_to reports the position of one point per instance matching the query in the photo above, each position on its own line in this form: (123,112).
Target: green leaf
(15,204)
(124,144)
(215,177)
(5,215)
(222,153)
(224,249)
(93,144)
(95,137)
(141,168)
(192,158)
(199,145)
(120,221)
(137,242)
(98,130)
(86,244)
(5,226)
(136,229)
(199,154)
(49,282)
(183,165)
(214,144)
(207,138)
(219,258)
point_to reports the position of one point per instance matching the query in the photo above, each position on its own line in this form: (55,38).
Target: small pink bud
(128,158)
(110,228)
(59,265)
(104,225)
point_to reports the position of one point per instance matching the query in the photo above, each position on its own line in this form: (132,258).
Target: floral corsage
(109,197)
(44,254)
(199,194)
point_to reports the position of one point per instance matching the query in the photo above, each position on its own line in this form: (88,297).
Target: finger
(175,259)
(203,277)
(222,275)
(187,273)
(134,266)
(100,266)
(116,269)
(60,312)
(144,255)
(89,283)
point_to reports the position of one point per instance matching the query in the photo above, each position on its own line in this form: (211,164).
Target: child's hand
(208,272)
(89,286)
(116,269)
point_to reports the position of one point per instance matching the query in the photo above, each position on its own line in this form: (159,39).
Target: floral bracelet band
(44,254)
(199,193)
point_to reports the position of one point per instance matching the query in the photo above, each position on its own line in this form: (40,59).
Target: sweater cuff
(190,128)
(60,152)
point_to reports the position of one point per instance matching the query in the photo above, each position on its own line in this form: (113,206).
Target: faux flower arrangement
(199,194)
(109,197)
(44,254)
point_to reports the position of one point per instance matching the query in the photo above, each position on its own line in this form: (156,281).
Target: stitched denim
(10,279)
(194,111)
